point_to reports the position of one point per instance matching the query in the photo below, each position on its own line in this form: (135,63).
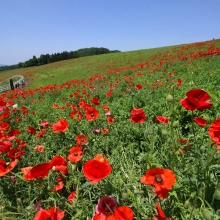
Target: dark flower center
(158,179)
(75,154)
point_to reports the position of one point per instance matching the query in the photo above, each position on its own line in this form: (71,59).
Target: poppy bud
(19,208)
(49,188)
(73,167)
(200,193)
(217,194)
(125,197)
(164,132)
(202,149)
(186,204)
(175,124)
(136,191)
(147,132)
(207,215)
(12,179)
(169,98)
(142,157)
(191,83)
(141,192)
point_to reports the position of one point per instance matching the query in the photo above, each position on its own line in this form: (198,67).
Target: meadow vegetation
(132,135)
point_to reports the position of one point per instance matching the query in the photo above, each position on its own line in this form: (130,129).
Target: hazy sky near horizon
(29,27)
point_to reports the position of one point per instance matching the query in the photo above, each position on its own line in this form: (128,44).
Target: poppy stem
(193,128)
(172,120)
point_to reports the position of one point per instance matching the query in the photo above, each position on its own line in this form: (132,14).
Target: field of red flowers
(136,142)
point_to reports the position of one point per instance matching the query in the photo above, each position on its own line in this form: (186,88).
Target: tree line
(50,58)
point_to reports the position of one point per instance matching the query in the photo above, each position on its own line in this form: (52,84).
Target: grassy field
(131,136)
(60,72)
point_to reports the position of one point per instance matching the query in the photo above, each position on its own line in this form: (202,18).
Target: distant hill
(51,58)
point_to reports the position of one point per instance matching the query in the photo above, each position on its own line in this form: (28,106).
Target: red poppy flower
(60,184)
(17,118)
(196,100)
(75,154)
(85,107)
(4,126)
(80,104)
(55,105)
(5,146)
(15,154)
(101,216)
(106,108)
(124,212)
(41,133)
(6,114)
(161,214)
(140,74)
(76,114)
(182,141)
(71,197)
(95,101)
(162,119)
(105,131)
(25,171)
(73,107)
(31,130)
(59,163)
(92,114)
(68,104)
(97,169)
(39,148)
(200,121)
(60,126)
(39,171)
(81,139)
(109,93)
(12,134)
(101,158)
(137,116)
(53,214)
(2,136)
(110,120)
(171,74)
(20,143)
(214,131)
(138,86)
(179,82)
(24,110)
(162,179)
(6,167)
(2,103)
(120,213)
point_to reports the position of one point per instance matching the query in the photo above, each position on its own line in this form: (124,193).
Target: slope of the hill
(79,68)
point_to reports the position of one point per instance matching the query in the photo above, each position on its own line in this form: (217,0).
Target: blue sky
(30,27)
